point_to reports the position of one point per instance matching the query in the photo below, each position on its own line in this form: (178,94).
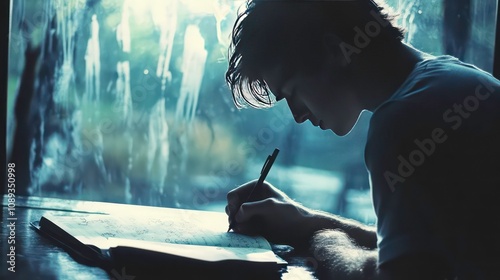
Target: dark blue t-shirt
(433,153)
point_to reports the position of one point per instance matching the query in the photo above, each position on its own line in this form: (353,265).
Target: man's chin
(341,133)
(342,130)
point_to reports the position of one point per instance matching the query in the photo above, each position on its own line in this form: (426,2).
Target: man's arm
(340,248)
(272,214)
(361,235)
(336,256)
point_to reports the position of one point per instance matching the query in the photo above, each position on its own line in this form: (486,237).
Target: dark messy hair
(291,33)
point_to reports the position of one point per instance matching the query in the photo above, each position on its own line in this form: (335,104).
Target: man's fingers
(254,209)
(251,218)
(239,195)
(228,210)
(233,202)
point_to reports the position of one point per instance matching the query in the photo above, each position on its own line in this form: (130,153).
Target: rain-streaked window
(125,101)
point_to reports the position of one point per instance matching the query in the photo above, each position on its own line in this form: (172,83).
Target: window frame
(496,55)
(5,14)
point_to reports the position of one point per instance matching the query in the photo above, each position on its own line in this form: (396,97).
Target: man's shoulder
(438,100)
(434,87)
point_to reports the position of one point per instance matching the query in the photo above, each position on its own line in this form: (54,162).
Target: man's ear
(333,46)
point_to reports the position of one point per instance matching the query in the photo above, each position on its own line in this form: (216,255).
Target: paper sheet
(174,226)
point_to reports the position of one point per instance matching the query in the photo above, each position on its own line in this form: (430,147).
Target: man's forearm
(337,257)
(362,235)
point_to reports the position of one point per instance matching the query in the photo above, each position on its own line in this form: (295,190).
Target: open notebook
(161,237)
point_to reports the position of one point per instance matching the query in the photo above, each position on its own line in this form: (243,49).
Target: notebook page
(206,253)
(175,226)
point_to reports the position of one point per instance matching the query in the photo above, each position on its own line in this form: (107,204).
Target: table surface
(37,257)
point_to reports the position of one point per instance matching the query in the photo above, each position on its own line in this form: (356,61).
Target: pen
(263,173)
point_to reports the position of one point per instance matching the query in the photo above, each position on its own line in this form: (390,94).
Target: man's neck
(384,72)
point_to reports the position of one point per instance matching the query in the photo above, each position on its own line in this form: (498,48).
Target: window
(125,101)
(462,28)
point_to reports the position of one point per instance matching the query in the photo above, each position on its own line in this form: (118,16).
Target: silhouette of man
(432,150)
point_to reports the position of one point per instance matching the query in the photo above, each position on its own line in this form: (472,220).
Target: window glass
(125,101)
(462,28)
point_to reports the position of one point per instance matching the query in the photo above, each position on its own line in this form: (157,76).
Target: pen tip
(230,227)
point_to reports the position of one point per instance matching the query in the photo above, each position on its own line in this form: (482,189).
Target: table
(37,257)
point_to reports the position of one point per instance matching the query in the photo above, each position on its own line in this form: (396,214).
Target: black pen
(263,173)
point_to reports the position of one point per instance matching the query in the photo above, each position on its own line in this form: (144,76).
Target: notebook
(158,237)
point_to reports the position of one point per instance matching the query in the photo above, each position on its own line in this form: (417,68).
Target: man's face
(326,98)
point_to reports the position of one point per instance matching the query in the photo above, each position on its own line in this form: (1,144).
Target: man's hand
(270,213)
(274,215)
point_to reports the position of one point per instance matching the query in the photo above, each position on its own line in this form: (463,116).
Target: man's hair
(291,33)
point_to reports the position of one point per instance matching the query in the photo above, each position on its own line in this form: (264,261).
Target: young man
(432,151)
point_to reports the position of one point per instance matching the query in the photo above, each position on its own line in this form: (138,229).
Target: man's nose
(299,114)
(301,117)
